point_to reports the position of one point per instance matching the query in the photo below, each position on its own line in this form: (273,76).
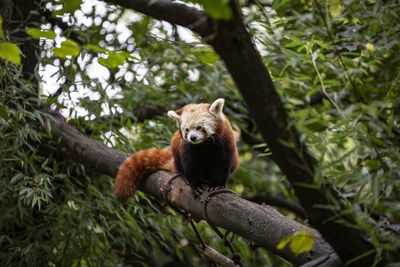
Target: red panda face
(197,125)
(198,122)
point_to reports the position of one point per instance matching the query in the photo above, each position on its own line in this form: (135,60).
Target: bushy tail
(140,165)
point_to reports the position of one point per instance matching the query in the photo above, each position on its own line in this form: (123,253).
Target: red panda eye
(198,127)
(187,129)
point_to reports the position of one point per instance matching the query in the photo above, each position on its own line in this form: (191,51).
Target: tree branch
(175,13)
(279,201)
(262,225)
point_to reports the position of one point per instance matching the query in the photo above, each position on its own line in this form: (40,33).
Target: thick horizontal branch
(262,225)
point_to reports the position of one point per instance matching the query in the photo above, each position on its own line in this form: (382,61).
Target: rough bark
(5,9)
(262,225)
(174,13)
(233,43)
(281,202)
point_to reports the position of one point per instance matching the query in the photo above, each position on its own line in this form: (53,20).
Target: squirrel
(203,151)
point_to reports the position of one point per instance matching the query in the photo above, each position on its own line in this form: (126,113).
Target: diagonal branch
(172,12)
(262,225)
(281,202)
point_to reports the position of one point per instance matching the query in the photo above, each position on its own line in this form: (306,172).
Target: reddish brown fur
(138,166)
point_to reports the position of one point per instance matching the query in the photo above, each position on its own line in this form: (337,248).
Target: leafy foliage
(344,52)
(8,51)
(39,33)
(102,65)
(68,48)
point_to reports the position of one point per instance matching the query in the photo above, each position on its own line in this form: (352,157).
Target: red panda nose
(193,138)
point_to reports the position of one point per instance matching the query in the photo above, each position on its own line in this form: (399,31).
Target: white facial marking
(197,124)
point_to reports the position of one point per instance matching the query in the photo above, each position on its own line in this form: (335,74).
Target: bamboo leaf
(301,242)
(40,33)
(68,48)
(10,52)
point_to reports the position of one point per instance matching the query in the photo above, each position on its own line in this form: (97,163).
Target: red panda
(203,151)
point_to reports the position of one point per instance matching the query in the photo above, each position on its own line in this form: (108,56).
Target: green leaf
(301,242)
(295,41)
(3,113)
(113,60)
(283,242)
(69,6)
(96,48)
(1,27)
(217,9)
(68,48)
(315,125)
(10,52)
(374,164)
(209,58)
(281,6)
(39,33)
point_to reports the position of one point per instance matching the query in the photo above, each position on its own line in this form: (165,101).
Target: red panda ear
(179,111)
(216,108)
(174,115)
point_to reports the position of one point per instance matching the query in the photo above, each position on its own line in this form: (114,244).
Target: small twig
(330,36)
(216,256)
(322,83)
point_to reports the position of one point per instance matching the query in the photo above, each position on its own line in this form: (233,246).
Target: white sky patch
(129,17)
(123,32)
(87,7)
(81,18)
(97,21)
(100,6)
(129,76)
(97,71)
(187,35)
(50,79)
(140,71)
(109,137)
(194,75)
(108,26)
